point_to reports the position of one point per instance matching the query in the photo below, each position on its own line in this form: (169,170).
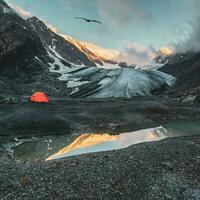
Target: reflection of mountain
(87,143)
(84,141)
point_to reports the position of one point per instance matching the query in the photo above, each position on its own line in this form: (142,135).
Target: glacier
(98,82)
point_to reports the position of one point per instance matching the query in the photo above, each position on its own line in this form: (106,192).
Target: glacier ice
(124,82)
(95,82)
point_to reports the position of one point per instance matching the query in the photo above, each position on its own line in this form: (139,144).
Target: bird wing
(81,18)
(88,20)
(96,21)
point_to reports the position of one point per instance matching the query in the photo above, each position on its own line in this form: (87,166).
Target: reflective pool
(70,145)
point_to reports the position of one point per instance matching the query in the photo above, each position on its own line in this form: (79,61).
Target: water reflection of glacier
(87,143)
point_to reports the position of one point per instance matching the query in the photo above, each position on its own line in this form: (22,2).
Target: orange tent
(39,97)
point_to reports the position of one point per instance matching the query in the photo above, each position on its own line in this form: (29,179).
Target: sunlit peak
(166,51)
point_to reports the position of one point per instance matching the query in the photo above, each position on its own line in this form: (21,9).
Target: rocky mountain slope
(54,42)
(16,40)
(186,68)
(70,49)
(23,58)
(96,53)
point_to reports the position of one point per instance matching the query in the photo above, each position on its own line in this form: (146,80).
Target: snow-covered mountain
(24,61)
(72,50)
(56,43)
(163,55)
(95,82)
(96,53)
(35,58)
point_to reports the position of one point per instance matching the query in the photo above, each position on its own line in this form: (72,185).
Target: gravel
(168,169)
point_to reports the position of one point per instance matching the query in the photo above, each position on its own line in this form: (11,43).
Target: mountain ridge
(51,40)
(43,60)
(186,68)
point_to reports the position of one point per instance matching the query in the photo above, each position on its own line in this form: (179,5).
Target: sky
(130,26)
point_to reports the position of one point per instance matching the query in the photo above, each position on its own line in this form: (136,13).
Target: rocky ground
(91,115)
(168,169)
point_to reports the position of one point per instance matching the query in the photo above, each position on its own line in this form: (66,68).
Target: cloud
(20,11)
(25,14)
(77,5)
(111,12)
(192,43)
(118,12)
(134,53)
(190,40)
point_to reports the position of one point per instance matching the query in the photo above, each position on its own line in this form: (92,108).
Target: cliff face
(186,68)
(24,62)
(55,42)
(19,45)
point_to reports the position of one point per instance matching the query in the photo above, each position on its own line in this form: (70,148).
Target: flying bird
(89,20)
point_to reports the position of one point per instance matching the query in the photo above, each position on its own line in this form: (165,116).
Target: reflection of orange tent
(39,97)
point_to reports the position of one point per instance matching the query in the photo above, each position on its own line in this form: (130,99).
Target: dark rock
(50,60)
(111,62)
(57,67)
(65,63)
(160,90)
(185,68)
(123,64)
(197,99)
(19,47)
